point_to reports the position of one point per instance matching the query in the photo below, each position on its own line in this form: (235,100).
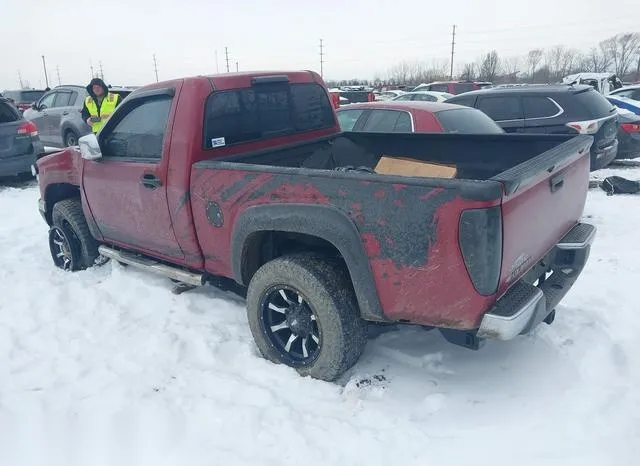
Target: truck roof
(227,81)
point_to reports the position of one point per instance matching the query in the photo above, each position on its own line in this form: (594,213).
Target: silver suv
(57,114)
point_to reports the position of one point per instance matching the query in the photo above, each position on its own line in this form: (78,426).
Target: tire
(320,310)
(70,236)
(70,138)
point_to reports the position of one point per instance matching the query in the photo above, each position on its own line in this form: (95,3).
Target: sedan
(19,141)
(424,96)
(419,117)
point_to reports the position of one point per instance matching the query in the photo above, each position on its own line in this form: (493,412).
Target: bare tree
(400,73)
(534,57)
(489,66)
(511,67)
(597,60)
(468,72)
(621,50)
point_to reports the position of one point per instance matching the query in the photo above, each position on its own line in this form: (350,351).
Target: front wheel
(70,242)
(303,313)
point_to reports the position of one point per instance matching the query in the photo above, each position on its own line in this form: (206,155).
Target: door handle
(149,180)
(65,112)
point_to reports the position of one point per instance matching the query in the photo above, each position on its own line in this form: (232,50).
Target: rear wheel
(70,242)
(70,138)
(303,313)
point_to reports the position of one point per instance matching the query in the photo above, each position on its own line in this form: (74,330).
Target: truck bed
(477,157)
(408,236)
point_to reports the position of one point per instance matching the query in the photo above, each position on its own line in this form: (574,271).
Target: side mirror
(34,105)
(89,147)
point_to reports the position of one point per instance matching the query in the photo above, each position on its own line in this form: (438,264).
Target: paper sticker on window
(217,142)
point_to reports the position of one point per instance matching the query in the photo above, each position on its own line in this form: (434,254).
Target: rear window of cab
(264,111)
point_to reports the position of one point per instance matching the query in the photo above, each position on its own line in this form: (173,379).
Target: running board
(150,265)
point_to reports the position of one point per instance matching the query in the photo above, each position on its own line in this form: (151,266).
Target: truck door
(126,188)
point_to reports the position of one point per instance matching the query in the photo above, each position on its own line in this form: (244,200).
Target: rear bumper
(525,305)
(17,165)
(600,158)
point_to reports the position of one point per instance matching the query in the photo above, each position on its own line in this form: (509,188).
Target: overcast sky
(360,40)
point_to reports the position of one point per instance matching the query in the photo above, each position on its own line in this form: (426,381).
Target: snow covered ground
(107,367)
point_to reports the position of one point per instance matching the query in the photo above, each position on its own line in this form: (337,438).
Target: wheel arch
(55,193)
(262,233)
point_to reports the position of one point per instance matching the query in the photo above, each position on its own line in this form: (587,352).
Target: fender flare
(324,222)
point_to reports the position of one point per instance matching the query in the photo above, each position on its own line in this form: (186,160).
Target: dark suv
(551,109)
(19,141)
(23,98)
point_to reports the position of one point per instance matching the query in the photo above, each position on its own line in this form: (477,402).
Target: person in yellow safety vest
(99,104)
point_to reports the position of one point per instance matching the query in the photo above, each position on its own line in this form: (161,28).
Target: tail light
(371,97)
(585,127)
(631,127)
(335,99)
(480,238)
(28,128)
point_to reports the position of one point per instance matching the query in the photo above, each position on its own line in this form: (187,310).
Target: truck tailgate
(543,199)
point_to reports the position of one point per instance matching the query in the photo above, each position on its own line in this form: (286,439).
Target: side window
(405,97)
(538,107)
(628,94)
(444,87)
(47,101)
(62,99)
(501,108)
(73,98)
(425,98)
(403,123)
(140,133)
(467,101)
(461,88)
(636,94)
(348,119)
(382,121)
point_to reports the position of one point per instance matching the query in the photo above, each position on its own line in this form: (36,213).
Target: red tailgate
(544,198)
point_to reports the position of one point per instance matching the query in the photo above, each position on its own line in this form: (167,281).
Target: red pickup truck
(246,180)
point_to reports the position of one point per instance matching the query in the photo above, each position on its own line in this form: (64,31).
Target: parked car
(19,141)
(419,117)
(632,106)
(630,92)
(191,180)
(604,83)
(424,96)
(23,98)
(452,87)
(57,114)
(389,95)
(552,109)
(628,135)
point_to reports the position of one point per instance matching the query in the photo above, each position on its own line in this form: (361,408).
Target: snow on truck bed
(107,367)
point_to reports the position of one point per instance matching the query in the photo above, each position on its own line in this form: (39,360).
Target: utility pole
(101,73)
(155,66)
(453,47)
(321,59)
(217,66)
(226,54)
(91,66)
(236,67)
(58,73)
(20,79)
(44,65)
